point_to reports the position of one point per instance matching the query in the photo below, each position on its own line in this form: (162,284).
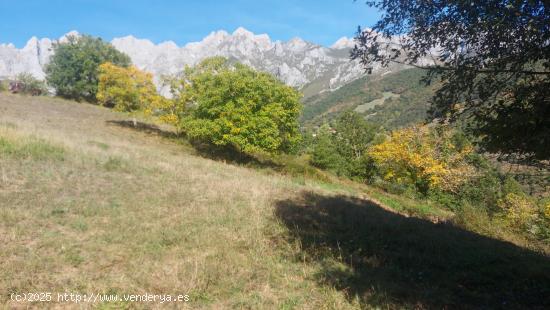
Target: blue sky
(320,21)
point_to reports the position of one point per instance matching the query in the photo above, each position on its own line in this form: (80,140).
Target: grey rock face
(296,62)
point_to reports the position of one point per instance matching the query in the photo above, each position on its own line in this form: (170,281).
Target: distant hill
(393,99)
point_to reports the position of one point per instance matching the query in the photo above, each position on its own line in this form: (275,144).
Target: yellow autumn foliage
(518,209)
(547,210)
(130,89)
(424,158)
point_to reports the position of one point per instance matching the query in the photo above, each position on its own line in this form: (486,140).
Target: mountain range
(310,67)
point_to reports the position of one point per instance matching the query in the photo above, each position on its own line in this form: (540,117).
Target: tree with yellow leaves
(130,89)
(423,157)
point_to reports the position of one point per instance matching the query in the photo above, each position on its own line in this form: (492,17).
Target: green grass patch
(31,148)
(101,145)
(420,208)
(114,163)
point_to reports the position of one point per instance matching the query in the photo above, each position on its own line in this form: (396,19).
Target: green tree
(353,134)
(493,59)
(352,138)
(234,105)
(73,69)
(343,147)
(324,154)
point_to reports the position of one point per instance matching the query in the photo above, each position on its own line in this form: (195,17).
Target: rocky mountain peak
(243,33)
(297,44)
(31,44)
(215,37)
(343,42)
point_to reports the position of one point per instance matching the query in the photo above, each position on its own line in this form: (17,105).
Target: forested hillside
(407,100)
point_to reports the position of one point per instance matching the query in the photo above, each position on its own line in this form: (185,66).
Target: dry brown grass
(127,211)
(87,205)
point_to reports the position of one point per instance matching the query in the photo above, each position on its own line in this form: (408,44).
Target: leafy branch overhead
(493,58)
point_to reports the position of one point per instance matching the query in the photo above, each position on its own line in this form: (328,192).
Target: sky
(317,21)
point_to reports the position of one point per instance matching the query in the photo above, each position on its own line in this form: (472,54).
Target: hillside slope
(393,100)
(91,204)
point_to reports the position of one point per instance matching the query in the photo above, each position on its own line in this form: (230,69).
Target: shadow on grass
(206,150)
(144,127)
(388,260)
(230,155)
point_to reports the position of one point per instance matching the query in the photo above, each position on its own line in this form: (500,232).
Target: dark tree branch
(526,72)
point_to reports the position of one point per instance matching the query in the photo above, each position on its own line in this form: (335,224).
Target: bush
(544,220)
(546,210)
(29,85)
(3,86)
(483,190)
(518,210)
(234,105)
(73,69)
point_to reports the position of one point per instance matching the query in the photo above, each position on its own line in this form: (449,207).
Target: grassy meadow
(91,203)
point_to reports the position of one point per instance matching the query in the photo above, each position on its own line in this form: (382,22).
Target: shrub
(30,85)
(234,105)
(73,69)
(546,211)
(518,210)
(484,190)
(353,134)
(523,212)
(544,220)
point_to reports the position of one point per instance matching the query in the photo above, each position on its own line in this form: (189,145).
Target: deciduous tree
(423,157)
(234,105)
(73,68)
(130,89)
